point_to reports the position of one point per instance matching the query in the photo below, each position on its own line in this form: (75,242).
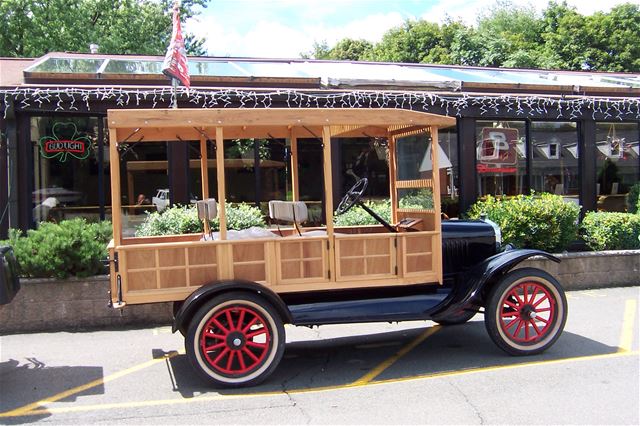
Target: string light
(68,99)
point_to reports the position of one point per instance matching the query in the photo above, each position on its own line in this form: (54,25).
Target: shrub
(611,231)
(417,199)
(358,216)
(60,250)
(184,220)
(541,221)
(633,199)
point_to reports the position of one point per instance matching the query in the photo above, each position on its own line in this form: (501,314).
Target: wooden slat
(415,183)
(202,117)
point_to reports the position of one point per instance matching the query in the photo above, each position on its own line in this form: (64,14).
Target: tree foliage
(513,36)
(33,28)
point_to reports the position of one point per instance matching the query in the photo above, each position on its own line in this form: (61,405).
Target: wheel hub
(236,340)
(528,312)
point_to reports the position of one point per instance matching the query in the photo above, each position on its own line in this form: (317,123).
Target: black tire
(457,319)
(526,312)
(236,339)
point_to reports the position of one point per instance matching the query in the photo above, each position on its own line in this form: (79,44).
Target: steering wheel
(352,196)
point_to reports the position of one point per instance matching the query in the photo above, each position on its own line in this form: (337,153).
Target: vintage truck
(234,291)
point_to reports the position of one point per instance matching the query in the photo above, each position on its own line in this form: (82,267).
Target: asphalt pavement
(407,373)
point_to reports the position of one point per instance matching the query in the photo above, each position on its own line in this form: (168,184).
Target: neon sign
(57,146)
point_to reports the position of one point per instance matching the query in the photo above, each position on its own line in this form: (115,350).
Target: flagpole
(174,84)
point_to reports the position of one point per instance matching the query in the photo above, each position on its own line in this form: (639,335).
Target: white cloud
(272,39)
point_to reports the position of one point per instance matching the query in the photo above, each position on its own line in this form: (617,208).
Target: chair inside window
(290,212)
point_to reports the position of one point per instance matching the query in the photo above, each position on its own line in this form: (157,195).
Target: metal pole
(174,92)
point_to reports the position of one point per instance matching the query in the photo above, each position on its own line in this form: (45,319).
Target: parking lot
(414,372)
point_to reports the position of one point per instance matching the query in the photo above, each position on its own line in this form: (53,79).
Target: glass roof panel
(465,75)
(214,69)
(120,66)
(67,65)
(266,69)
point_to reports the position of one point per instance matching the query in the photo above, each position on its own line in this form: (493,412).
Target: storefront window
(617,164)
(501,157)
(555,159)
(448,162)
(65,168)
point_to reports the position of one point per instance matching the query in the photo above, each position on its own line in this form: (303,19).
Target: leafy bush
(171,221)
(541,221)
(633,199)
(611,231)
(241,216)
(60,250)
(184,220)
(417,199)
(358,216)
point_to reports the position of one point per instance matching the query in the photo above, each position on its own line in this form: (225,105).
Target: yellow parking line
(30,408)
(626,335)
(217,397)
(391,360)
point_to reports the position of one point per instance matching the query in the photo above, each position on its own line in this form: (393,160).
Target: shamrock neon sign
(57,146)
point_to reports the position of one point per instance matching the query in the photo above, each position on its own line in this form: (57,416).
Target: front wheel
(526,312)
(236,339)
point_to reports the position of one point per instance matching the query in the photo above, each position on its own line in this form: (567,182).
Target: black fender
(469,291)
(206,292)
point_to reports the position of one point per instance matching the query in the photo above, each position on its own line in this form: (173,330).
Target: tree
(346,49)
(32,28)
(513,36)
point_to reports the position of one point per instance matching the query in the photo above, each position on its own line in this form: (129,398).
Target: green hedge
(611,231)
(60,250)
(184,220)
(541,221)
(358,216)
(633,199)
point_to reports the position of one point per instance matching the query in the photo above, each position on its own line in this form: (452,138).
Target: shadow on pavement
(341,361)
(25,384)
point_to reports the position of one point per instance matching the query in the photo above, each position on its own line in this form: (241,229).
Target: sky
(287,28)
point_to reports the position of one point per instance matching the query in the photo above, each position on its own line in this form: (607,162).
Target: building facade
(574,134)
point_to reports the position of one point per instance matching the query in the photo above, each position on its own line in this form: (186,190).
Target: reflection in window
(554,163)
(617,163)
(65,166)
(448,163)
(501,157)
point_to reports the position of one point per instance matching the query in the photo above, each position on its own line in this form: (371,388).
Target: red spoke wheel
(526,311)
(236,339)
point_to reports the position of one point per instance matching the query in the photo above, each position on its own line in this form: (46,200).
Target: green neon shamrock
(57,146)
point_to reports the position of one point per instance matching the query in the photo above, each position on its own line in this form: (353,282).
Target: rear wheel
(236,339)
(526,312)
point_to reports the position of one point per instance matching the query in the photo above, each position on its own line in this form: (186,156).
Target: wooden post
(295,183)
(393,197)
(328,197)
(114,165)
(204,175)
(435,172)
(221,182)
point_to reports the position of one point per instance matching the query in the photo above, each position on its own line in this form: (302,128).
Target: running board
(405,308)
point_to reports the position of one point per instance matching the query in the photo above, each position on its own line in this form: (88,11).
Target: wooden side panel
(302,260)
(360,257)
(418,257)
(250,261)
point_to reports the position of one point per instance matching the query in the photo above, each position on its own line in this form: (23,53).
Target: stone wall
(585,270)
(81,304)
(72,305)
